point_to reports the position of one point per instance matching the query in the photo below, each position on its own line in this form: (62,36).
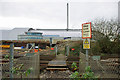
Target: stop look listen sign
(86,30)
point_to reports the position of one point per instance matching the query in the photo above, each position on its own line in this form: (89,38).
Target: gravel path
(56,74)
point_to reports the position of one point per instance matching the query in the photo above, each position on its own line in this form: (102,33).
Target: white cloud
(12,22)
(53,15)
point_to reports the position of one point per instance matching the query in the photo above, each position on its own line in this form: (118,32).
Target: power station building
(46,34)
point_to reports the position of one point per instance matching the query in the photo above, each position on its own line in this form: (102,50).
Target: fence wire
(108,68)
(29,62)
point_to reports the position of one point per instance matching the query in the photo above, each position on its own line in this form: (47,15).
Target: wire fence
(30,68)
(108,68)
(103,68)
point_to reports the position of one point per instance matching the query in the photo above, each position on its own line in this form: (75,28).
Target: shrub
(89,75)
(74,66)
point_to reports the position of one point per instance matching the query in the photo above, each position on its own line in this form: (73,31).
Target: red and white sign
(52,48)
(86,30)
(72,49)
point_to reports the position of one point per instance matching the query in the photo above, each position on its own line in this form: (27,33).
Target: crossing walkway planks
(59,63)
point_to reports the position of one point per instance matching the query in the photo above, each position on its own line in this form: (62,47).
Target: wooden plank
(57,68)
(56,65)
(44,62)
(60,60)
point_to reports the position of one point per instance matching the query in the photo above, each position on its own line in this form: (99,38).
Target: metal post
(67,16)
(0,62)
(27,45)
(33,47)
(80,58)
(67,50)
(38,47)
(11,58)
(56,50)
(86,57)
(50,42)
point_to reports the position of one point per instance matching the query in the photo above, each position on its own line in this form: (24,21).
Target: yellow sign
(5,46)
(86,44)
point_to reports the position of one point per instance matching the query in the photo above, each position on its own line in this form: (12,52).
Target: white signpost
(86,35)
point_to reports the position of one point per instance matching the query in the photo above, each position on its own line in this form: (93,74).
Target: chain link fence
(108,68)
(30,63)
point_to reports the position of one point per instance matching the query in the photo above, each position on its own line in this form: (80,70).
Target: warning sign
(86,30)
(86,44)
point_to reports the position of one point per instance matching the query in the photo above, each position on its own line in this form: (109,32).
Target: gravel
(55,74)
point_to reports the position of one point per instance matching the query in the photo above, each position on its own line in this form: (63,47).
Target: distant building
(30,35)
(56,34)
(12,34)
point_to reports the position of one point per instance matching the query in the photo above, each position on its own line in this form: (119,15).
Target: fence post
(38,47)
(79,58)
(86,57)
(56,50)
(1,62)
(11,58)
(50,42)
(27,46)
(33,47)
(67,50)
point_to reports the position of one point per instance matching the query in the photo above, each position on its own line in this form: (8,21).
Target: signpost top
(86,30)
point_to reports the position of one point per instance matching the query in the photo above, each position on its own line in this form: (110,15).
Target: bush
(108,47)
(95,48)
(89,75)
(74,66)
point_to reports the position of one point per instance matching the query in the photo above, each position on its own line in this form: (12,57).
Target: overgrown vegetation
(89,75)
(6,56)
(106,35)
(74,66)
(76,48)
(105,38)
(18,70)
